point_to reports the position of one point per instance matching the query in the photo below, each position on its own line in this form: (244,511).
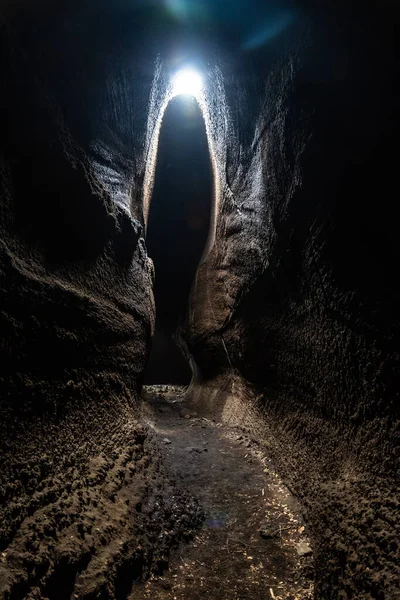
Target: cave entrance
(177,230)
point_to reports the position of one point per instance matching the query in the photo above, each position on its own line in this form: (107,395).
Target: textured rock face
(292,325)
(85,505)
(177,230)
(296,300)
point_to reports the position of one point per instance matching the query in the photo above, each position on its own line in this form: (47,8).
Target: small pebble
(303,549)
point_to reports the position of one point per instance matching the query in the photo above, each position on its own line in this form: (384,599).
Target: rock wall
(86,507)
(297,302)
(292,327)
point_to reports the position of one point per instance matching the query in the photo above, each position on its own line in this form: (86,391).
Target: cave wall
(83,494)
(297,301)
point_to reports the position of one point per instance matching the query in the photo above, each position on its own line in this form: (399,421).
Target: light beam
(187,82)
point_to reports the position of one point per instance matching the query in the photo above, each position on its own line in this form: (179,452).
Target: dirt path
(253,544)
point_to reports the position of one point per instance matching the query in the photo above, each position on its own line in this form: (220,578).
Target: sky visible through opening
(177,230)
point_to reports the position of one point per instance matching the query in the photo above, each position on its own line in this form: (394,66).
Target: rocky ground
(87,508)
(253,543)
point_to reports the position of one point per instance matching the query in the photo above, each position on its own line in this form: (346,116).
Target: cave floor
(253,543)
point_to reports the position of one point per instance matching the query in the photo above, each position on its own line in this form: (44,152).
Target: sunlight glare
(187,82)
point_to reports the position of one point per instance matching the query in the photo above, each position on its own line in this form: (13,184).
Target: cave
(199,306)
(177,230)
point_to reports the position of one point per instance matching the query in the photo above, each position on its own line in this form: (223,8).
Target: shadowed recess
(178,228)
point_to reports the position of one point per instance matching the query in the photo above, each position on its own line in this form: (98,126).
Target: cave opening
(177,230)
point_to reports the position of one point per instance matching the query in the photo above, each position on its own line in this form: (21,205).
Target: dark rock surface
(292,330)
(304,307)
(85,506)
(88,509)
(177,230)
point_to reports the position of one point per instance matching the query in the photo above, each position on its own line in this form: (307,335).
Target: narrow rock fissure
(246,149)
(177,230)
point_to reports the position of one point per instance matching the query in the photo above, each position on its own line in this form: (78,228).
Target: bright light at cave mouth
(187,82)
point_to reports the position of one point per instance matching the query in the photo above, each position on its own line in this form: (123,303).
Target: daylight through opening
(177,228)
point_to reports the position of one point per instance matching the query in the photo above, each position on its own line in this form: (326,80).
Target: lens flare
(188,82)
